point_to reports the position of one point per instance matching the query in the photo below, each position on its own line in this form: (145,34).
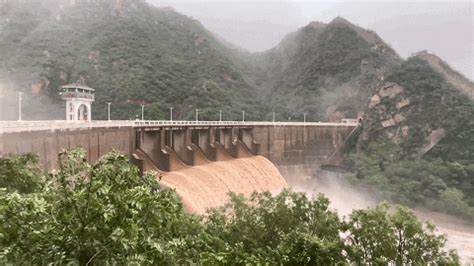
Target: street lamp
(171,113)
(220,115)
(197,115)
(143,112)
(273,117)
(19,105)
(304,118)
(243,116)
(108,110)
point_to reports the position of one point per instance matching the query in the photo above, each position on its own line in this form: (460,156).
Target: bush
(107,213)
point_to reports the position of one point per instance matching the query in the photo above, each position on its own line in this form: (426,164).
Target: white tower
(78,99)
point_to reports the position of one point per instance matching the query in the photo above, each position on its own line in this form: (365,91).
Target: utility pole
(171,113)
(143,112)
(108,111)
(220,115)
(19,105)
(197,115)
(243,116)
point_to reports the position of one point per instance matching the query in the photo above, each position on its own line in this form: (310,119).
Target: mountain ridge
(134,54)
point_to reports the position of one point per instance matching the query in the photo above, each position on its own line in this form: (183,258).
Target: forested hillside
(130,52)
(417,144)
(327,71)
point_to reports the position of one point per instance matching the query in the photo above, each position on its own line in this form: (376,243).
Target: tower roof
(74,85)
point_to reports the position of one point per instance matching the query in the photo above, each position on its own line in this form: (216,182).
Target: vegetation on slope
(453,77)
(389,157)
(132,55)
(107,213)
(325,69)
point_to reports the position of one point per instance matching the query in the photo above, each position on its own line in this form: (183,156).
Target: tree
(20,173)
(378,237)
(97,213)
(289,228)
(107,213)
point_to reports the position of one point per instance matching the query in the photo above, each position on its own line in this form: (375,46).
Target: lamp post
(19,105)
(108,111)
(243,116)
(143,112)
(273,117)
(220,115)
(304,118)
(171,113)
(197,115)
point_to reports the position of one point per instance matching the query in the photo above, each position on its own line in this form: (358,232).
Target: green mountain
(419,109)
(130,52)
(327,71)
(133,54)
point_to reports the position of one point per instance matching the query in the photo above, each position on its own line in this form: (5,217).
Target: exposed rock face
(374,101)
(388,123)
(405,131)
(404,102)
(433,138)
(399,118)
(391,90)
(386,111)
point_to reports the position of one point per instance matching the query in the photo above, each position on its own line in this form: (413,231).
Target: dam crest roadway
(22,126)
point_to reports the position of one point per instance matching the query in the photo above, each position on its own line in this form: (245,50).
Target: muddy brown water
(344,199)
(207,185)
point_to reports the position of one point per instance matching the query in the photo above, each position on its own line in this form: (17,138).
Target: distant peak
(452,76)
(317,24)
(341,20)
(167,8)
(425,53)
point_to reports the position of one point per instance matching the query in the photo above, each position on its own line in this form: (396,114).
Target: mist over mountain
(136,54)
(408,26)
(326,70)
(132,53)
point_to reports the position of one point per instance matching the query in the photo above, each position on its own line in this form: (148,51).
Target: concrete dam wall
(203,163)
(48,144)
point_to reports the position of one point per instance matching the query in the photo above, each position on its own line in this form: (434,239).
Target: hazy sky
(445,28)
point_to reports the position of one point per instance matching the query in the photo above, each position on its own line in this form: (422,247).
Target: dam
(202,160)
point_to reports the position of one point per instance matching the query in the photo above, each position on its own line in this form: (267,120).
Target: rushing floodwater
(205,186)
(460,233)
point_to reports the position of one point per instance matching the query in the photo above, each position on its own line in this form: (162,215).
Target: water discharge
(344,199)
(206,186)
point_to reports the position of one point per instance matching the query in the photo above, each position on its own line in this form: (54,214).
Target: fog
(444,28)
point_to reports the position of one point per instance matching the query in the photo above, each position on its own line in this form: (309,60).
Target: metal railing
(62,125)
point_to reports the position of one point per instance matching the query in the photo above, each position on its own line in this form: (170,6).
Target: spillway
(205,186)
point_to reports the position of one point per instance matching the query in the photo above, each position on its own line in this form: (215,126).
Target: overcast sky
(445,28)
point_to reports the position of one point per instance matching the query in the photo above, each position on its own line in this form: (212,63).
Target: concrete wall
(298,151)
(47,144)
